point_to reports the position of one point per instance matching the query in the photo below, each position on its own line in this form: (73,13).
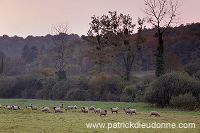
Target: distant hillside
(182,45)
(12,46)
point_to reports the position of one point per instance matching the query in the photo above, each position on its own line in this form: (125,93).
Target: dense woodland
(30,68)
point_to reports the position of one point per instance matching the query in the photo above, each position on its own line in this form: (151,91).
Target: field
(74,121)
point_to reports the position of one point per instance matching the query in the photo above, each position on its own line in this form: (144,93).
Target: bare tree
(161,14)
(60,39)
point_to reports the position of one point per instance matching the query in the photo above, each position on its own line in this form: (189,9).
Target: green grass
(27,120)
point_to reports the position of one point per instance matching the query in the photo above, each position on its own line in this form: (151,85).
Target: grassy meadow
(74,121)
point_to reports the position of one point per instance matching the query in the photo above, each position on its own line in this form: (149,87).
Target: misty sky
(36,17)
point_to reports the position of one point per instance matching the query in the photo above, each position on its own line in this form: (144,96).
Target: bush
(24,86)
(139,97)
(192,68)
(61,74)
(197,75)
(73,69)
(162,89)
(102,84)
(184,101)
(129,94)
(76,94)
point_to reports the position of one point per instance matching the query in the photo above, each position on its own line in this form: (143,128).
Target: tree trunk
(2,66)
(160,57)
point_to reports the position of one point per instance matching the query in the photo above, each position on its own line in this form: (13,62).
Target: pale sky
(36,17)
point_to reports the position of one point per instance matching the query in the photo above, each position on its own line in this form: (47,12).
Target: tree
(26,54)
(161,14)
(110,36)
(33,53)
(2,56)
(172,63)
(29,54)
(60,40)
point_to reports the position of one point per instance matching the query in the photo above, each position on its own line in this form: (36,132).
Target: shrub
(184,101)
(192,68)
(76,94)
(15,86)
(102,84)
(172,84)
(73,69)
(197,75)
(61,74)
(129,94)
(139,97)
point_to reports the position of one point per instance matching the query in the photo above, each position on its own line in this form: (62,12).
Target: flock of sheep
(83,109)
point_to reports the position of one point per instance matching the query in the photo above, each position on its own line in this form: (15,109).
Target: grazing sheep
(72,107)
(84,109)
(81,109)
(29,106)
(103,112)
(61,106)
(8,107)
(15,107)
(114,109)
(0,106)
(91,108)
(131,111)
(34,107)
(154,113)
(57,109)
(45,109)
(97,110)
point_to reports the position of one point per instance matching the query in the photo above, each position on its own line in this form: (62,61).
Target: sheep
(57,109)
(0,106)
(114,109)
(61,106)
(72,107)
(154,113)
(8,107)
(103,112)
(131,111)
(45,109)
(34,107)
(97,110)
(91,108)
(15,107)
(84,109)
(29,106)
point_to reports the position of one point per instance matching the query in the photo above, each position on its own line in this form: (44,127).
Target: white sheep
(154,113)
(84,109)
(61,106)
(15,107)
(8,107)
(45,109)
(114,109)
(72,107)
(57,109)
(131,111)
(91,108)
(103,112)
(34,107)
(97,110)
(29,106)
